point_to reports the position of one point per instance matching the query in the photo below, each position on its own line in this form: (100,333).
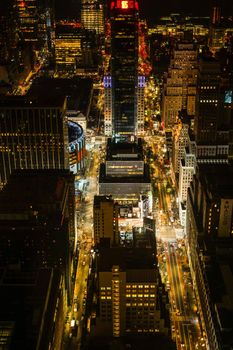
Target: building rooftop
(77,91)
(29,101)
(100,199)
(69,28)
(75,131)
(103,178)
(133,259)
(156,341)
(124,150)
(28,190)
(217,179)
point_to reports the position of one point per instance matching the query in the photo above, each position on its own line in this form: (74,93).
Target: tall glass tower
(92,15)
(124,67)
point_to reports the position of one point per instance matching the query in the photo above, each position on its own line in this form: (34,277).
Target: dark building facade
(213,119)
(209,240)
(105,212)
(31,309)
(214,100)
(28,19)
(38,222)
(33,135)
(208,102)
(8,37)
(124,64)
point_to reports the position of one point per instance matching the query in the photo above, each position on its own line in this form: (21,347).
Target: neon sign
(124,4)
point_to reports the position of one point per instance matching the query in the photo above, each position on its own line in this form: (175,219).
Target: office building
(124,67)
(183,161)
(213,190)
(117,220)
(141,104)
(217,29)
(10,53)
(77,90)
(92,15)
(108,105)
(128,188)
(8,32)
(33,134)
(215,15)
(27,13)
(180,84)
(124,174)
(68,46)
(37,217)
(46,28)
(180,140)
(124,159)
(175,25)
(209,230)
(105,213)
(208,101)
(187,170)
(132,297)
(211,141)
(212,122)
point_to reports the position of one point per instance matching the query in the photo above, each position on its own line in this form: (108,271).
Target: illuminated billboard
(228,97)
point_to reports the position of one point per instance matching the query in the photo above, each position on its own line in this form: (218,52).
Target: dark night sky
(152,9)
(156,8)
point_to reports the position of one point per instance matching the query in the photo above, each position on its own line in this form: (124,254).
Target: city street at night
(116,168)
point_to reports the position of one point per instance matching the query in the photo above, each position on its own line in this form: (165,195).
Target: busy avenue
(80,313)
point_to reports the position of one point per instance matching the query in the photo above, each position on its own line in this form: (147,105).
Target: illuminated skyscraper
(216,15)
(108,103)
(68,44)
(179,92)
(217,30)
(141,103)
(27,11)
(124,64)
(92,15)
